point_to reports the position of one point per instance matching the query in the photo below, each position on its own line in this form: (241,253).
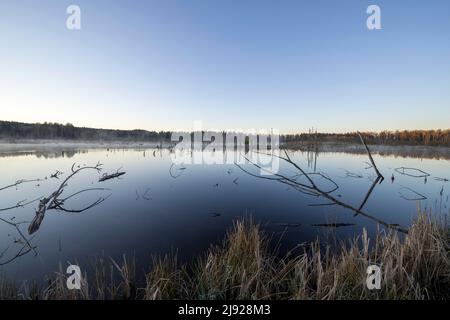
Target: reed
(415,266)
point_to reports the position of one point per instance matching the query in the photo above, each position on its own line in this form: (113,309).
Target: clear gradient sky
(162,64)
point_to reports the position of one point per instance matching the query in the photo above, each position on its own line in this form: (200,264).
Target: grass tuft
(415,266)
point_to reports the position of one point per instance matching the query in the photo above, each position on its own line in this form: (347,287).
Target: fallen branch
(53,202)
(333,225)
(56,174)
(20,204)
(18,182)
(404,171)
(370,157)
(106,176)
(312,189)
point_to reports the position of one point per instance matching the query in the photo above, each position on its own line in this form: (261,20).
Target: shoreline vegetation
(413,266)
(13,132)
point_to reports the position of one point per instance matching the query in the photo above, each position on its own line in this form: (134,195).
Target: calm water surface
(150,212)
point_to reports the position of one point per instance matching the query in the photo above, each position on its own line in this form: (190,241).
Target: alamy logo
(259,147)
(373,280)
(73,22)
(74,280)
(374,20)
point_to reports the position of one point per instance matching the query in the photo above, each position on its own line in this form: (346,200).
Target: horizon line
(315,130)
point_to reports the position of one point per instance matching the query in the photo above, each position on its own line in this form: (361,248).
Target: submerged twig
(406,171)
(420,196)
(333,225)
(175,176)
(20,204)
(18,182)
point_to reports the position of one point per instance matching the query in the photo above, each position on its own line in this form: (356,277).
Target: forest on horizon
(13,131)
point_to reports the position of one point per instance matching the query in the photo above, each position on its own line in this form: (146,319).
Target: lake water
(155,209)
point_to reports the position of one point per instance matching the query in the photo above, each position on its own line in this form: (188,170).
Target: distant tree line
(405,137)
(18,130)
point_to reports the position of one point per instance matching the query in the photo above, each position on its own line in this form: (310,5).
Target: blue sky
(231,64)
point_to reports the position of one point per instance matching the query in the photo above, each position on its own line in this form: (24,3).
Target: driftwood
(45,203)
(106,176)
(54,202)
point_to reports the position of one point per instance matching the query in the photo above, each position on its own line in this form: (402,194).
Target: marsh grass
(415,266)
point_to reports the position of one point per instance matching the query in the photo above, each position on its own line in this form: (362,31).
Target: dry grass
(243,267)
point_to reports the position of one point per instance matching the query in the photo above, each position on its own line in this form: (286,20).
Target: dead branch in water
(106,176)
(18,182)
(23,251)
(407,172)
(289,225)
(369,166)
(333,225)
(54,202)
(20,204)
(311,188)
(350,174)
(418,198)
(321,204)
(175,176)
(370,157)
(145,194)
(56,174)
(368,194)
(26,245)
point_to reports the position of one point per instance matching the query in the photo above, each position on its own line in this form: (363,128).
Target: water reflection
(158,206)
